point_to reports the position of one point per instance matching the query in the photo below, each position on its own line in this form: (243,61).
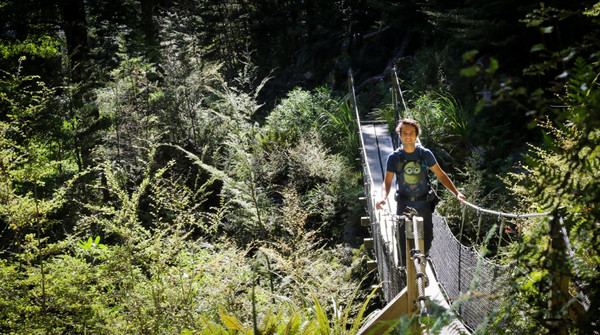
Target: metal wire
(503,214)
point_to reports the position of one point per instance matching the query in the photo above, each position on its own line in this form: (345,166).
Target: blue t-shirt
(412,181)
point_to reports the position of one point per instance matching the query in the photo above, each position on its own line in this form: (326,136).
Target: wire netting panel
(463,273)
(393,279)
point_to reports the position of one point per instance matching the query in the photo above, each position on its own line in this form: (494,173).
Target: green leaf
(494,65)
(534,278)
(85,245)
(469,55)
(469,71)
(321,316)
(231,322)
(480,104)
(537,47)
(155,96)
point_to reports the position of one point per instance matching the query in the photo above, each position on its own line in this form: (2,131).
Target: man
(409,163)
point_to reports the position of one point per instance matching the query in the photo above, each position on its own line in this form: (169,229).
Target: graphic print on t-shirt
(413,182)
(411,171)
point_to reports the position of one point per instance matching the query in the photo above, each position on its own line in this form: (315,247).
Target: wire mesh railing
(470,282)
(560,231)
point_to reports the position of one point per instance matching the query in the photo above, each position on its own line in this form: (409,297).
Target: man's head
(408,122)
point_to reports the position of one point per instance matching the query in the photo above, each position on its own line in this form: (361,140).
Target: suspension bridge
(453,277)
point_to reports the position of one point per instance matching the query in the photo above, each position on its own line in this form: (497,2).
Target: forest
(191,167)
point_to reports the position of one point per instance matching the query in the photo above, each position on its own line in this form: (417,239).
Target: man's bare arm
(445,180)
(385,189)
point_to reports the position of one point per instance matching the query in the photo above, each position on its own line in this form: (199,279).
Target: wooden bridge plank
(378,145)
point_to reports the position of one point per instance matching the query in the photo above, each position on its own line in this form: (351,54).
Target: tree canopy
(168,166)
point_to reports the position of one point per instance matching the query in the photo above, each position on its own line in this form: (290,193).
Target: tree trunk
(150,29)
(74,24)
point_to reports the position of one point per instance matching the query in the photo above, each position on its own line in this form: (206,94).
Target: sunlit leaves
(469,71)
(469,56)
(32,46)
(563,174)
(594,10)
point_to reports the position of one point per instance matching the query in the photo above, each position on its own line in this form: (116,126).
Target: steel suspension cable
(503,214)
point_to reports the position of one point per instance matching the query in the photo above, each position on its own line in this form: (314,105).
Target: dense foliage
(189,166)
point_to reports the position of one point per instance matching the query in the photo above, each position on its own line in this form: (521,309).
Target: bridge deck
(378,145)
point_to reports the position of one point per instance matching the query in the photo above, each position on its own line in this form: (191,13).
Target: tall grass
(315,319)
(443,120)
(340,128)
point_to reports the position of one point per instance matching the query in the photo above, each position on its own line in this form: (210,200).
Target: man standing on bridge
(409,164)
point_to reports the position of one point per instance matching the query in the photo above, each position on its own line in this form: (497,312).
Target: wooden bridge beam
(392,311)
(411,271)
(371,265)
(405,303)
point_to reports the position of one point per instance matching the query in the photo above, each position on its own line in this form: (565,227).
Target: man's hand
(460,197)
(379,204)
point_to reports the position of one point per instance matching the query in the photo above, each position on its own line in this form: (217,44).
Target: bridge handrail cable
(504,214)
(352,96)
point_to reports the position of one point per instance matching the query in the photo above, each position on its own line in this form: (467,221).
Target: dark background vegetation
(170,166)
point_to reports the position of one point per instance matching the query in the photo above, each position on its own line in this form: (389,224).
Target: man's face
(408,134)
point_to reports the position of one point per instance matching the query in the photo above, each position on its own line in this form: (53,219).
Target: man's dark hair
(409,122)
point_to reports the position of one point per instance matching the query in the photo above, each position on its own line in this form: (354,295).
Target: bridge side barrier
(558,231)
(387,271)
(474,283)
(419,262)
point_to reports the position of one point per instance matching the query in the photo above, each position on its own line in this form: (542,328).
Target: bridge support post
(559,287)
(413,241)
